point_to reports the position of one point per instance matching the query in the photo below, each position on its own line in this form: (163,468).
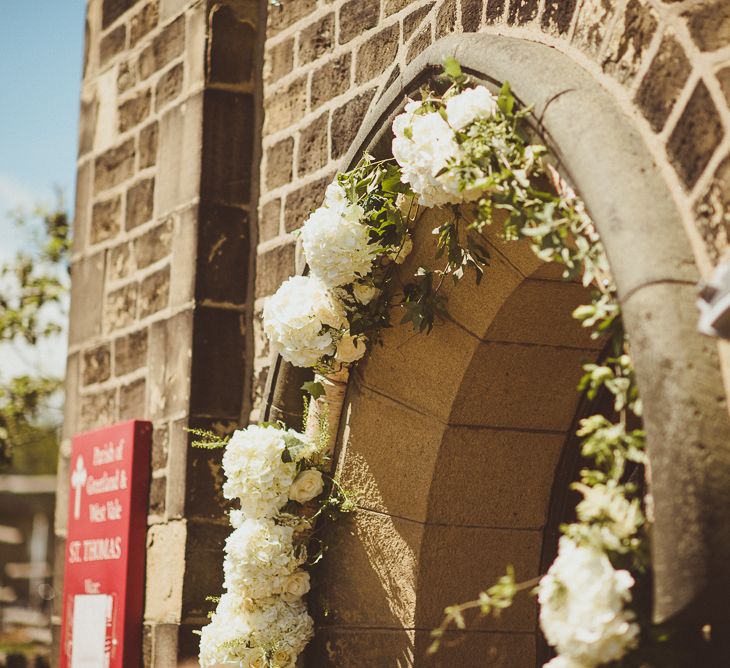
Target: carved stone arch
(480,373)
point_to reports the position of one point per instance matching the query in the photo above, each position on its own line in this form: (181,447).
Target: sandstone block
(709,24)
(120,308)
(446,18)
(269,220)
(98,409)
(495,9)
(140,203)
(169,86)
(285,14)
(330,80)
(471,15)
(557,15)
(120,262)
(522,11)
(166,565)
(144,21)
(357,16)
(316,39)
(279,60)
(154,245)
(272,268)
(286,105)
(97,364)
(629,40)
(105,219)
(147,147)
(165,47)
(87,287)
(300,203)
(313,150)
(111,10)
(112,44)
(130,352)
(132,400)
(154,292)
(419,43)
(279,167)
(376,55)
(133,111)
(413,21)
(114,166)
(346,122)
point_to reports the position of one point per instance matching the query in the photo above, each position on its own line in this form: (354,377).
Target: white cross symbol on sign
(78,480)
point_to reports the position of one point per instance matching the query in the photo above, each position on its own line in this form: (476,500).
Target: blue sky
(41,42)
(41,46)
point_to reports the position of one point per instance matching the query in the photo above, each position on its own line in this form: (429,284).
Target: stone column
(160,316)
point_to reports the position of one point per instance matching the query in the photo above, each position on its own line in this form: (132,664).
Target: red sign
(105,547)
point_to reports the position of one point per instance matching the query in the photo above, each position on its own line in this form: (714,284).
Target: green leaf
(452,68)
(315,388)
(506,101)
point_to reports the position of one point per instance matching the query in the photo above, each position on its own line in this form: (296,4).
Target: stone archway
(678,373)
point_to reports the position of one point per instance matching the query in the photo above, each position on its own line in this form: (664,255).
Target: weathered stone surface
(130,352)
(279,163)
(313,150)
(279,60)
(696,136)
(120,261)
(419,42)
(98,409)
(70,404)
(126,77)
(147,148)
(160,445)
(415,19)
(594,19)
(272,268)
(522,11)
(357,16)
(140,203)
(133,111)
(558,15)
(105,219)
(376,55)
(629,40)
(132,400)
(144,21)
(87,124)
(184,245)
(223,255)
(170,352)
(154,245)
(301,202)
(82,207)
(114,166)
(495,10)
(165,571)
(446,18)
(120,308)
(165,47)
(723,76)
(227,147)
(218,365)
(317,39)
(285,14)
(709,24)
(713,213)
(179,155)
(154,292)
(97,364)
(169,86)
(330,80)
(393,6)
(87,288)
(269,220)
(346,122)
(112,44)
(231,47)
(158,489)
(204,546)
(471,15)
(286,105)
(111,10)
(663,82)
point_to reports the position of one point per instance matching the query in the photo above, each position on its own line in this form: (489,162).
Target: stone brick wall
(160,271)
(667,63)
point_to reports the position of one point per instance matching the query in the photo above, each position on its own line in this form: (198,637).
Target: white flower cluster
(303,320)
(583,610)
(336,242)
(261,620)
(426,146)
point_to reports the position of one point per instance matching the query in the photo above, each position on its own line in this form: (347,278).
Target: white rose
(307,485)
(564,662)
(583,606)
(296,586)
(282,659)
(255,658)
(469,105)
(350,349)
(364,293)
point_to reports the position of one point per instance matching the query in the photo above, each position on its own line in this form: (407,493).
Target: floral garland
(467,150)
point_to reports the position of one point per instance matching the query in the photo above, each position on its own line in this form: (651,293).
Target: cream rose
(307,485)
(296,586)
(350,349)
(282,659)
(255,658)
(365,293)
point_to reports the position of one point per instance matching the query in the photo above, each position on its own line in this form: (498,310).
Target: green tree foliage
(33,289)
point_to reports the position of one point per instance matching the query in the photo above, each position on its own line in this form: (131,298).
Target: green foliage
(33,289)
(207,439)
(314,389)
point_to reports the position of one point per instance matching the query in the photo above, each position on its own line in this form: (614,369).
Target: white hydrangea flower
(336,241)
(281,625)
(582,606)
(469,105)
(255,472)
(422,146)
(260,559)
(295,318)
(224,638)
